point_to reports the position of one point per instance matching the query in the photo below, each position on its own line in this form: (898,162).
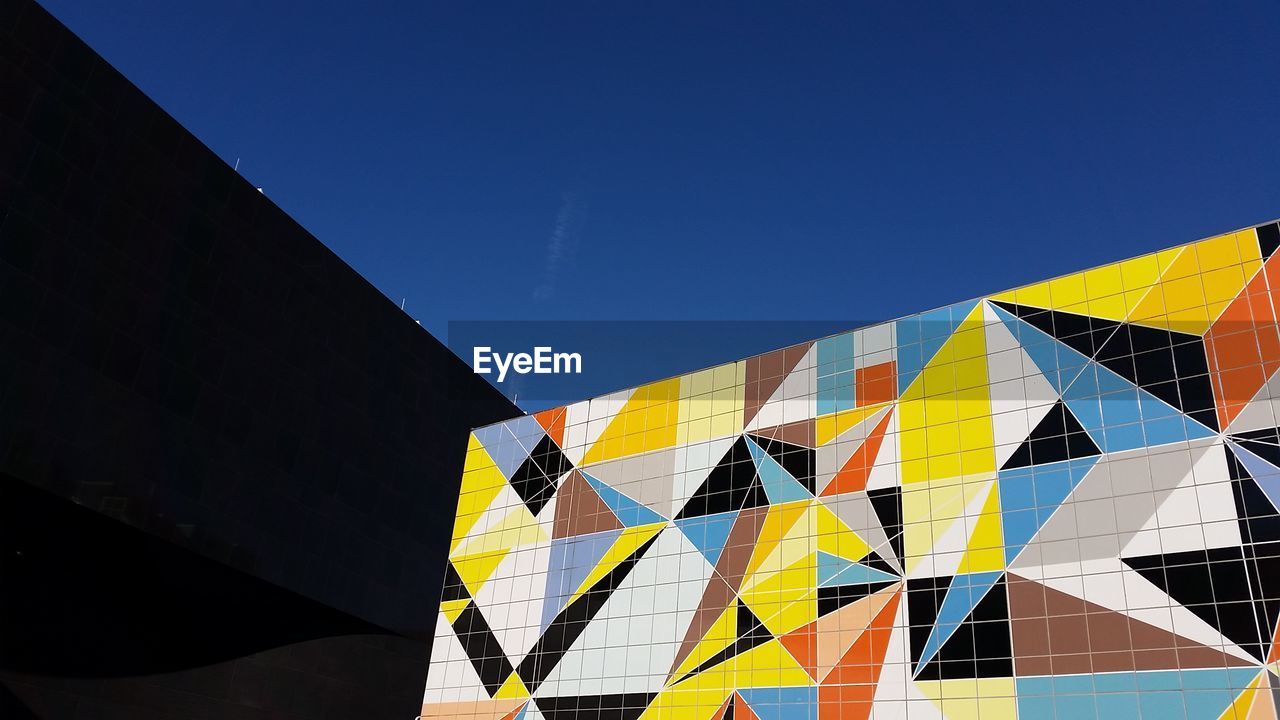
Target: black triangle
(980,647)
(1264,443)
(1258,518)
(482,648)
(1170,365)
(535,480)
(1234,589)
(573,620)
(834,597)
(887,503)
(750,633)
(1268,239)
(732,485)
(873,560)
(1058,436)
(798,460)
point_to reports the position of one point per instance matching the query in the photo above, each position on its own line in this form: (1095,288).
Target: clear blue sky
(626,160)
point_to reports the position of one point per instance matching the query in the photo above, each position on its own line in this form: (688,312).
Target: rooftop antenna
(237,167)
(402,303)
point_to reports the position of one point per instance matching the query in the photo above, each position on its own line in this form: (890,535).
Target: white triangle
(949,549)
(896,694)
(856,511)
(794,400)
(451,677)
(511,599)
(1115,586)
(575,431)
(1020,395)
(829,458)
(599,413)
(644,478)
(693,463)
(886,472)
(630,644)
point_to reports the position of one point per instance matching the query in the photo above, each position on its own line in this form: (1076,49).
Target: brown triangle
(579,510)
(1059,634)
(733,560)
(715,599)
(800,432)
(765,374)
(725,581)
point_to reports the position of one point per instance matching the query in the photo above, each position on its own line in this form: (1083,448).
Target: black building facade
(228,464)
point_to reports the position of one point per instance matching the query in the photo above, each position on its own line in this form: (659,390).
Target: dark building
(228,464)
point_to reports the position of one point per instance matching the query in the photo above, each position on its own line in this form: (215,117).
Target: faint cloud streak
(563,245)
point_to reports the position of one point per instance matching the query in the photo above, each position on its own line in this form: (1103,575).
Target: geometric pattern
(1058,501)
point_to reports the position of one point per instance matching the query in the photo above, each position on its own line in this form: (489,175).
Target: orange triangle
(741,710)
(862,663)
(1243,344)
(1275,647)
(839,630)
(803,646)
(845,702)
(1264,705)
(853,476)
(553,422)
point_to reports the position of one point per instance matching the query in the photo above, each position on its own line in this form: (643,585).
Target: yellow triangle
(698,698)
(518,528)
(647,422)
(944,417)
(711,403)
(778,521)
(930,509)
(475,570)
(985,551)
(972,699)
(787,599)
(837,538)
(1111,291)
(1239,709)
(722,634)
(512,689)
(1198,281)
(626,544)
(453,608)
(829,427)
(768,665)
(481,482)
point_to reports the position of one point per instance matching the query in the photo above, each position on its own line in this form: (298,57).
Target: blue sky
(780,161)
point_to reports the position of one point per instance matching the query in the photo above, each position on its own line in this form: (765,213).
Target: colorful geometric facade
(1054,502)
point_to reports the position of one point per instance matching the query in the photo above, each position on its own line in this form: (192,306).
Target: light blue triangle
(782,703)
(1117,414)
(962,597)
(835,570)
(572,559)
(1059,363)
(1266,475)
(1202,694)
(630,513)
(779,485)
(1029,495)
(509,443)
(919,338)
(708,533)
